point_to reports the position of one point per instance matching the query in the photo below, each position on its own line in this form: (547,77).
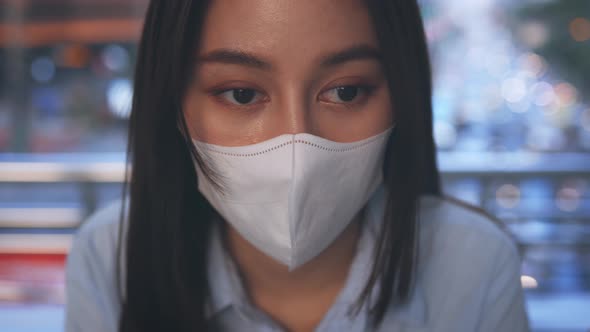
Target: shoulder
(464,251)
(468,272)
(91,284)
(450,229)
(99,232)
(458,237)
(95,242)
(103,221)
(446,223)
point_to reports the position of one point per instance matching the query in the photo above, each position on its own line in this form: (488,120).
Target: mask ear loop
(199,159)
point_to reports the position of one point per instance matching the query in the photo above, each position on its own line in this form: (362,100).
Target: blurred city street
(512,125)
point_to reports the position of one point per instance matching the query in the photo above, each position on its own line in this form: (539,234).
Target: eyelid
(236,85)
(218,92)
(367,89)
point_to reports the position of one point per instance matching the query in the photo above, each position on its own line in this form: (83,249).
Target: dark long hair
(164,249)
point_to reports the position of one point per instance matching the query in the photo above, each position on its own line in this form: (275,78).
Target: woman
(284,179)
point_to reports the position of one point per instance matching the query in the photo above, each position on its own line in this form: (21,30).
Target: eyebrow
(239,57)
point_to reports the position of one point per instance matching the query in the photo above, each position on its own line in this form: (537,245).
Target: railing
(87,172)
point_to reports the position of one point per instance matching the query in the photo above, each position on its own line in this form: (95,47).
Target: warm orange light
(567,94)
(580,29)
(74,56)
(73,31)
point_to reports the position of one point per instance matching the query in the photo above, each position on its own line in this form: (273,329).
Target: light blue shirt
(467,278)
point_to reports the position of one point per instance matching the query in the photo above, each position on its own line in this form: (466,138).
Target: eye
(240,96)
(345,94)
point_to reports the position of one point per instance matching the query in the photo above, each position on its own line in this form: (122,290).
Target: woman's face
(272,67)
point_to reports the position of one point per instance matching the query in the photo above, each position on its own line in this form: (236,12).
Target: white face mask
(292,195)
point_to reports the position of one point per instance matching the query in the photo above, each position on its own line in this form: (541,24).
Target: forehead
(287,30)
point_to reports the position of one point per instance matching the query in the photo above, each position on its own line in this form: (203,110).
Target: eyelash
(219,95)
(366,91)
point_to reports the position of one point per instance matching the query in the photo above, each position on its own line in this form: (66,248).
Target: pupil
(244,96)
(347,93)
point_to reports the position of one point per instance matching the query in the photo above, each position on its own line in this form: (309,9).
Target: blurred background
(512,123)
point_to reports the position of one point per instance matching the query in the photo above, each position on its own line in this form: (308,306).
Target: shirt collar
(227,288)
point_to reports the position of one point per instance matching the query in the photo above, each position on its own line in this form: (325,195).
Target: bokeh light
(508,196)
(580,29)
(119,96)
(43,69)
(543,93)
(514,89)
(528,282)
(115,58)
(566,93)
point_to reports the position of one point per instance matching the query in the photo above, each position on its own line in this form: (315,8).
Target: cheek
(192,118)
(201,120)
(208,122)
